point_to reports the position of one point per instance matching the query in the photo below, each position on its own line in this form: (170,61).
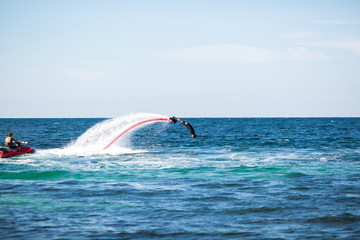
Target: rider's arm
(13,140)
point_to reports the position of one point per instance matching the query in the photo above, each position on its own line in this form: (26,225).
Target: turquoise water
(242,178)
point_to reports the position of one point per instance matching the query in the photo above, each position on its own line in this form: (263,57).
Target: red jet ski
(9,152)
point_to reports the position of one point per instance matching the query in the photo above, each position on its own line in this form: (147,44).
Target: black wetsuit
(189,127)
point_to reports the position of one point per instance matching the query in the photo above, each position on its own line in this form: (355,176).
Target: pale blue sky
(83,58)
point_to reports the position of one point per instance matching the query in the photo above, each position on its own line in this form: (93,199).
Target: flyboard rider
(186,124)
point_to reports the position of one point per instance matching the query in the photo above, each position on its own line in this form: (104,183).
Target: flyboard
(171,119)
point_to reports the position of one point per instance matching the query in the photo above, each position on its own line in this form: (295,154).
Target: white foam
(93,141)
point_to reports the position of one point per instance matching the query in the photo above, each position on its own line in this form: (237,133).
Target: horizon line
(187,117)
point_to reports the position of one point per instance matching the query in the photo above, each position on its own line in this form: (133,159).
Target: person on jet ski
(10,142)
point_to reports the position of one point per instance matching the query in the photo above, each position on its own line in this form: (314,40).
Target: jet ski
(10,152)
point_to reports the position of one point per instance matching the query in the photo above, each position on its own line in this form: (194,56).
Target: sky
(189,58)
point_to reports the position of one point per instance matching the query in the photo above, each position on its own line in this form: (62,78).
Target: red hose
(137,124)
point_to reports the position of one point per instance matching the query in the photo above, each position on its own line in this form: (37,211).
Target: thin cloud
(84,75)
(337,22)
(303,54)
(233,99)
(236,53)
(230,53)
(352,45)
(299,35)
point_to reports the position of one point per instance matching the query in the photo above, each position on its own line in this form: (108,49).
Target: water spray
(171,119)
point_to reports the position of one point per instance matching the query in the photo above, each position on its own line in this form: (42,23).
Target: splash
(133,126)
(94,139)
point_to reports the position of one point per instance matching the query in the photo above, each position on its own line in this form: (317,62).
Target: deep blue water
(242,178)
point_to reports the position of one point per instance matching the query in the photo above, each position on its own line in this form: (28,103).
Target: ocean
(241,178)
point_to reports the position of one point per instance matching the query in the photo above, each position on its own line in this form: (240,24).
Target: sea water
(241,178)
